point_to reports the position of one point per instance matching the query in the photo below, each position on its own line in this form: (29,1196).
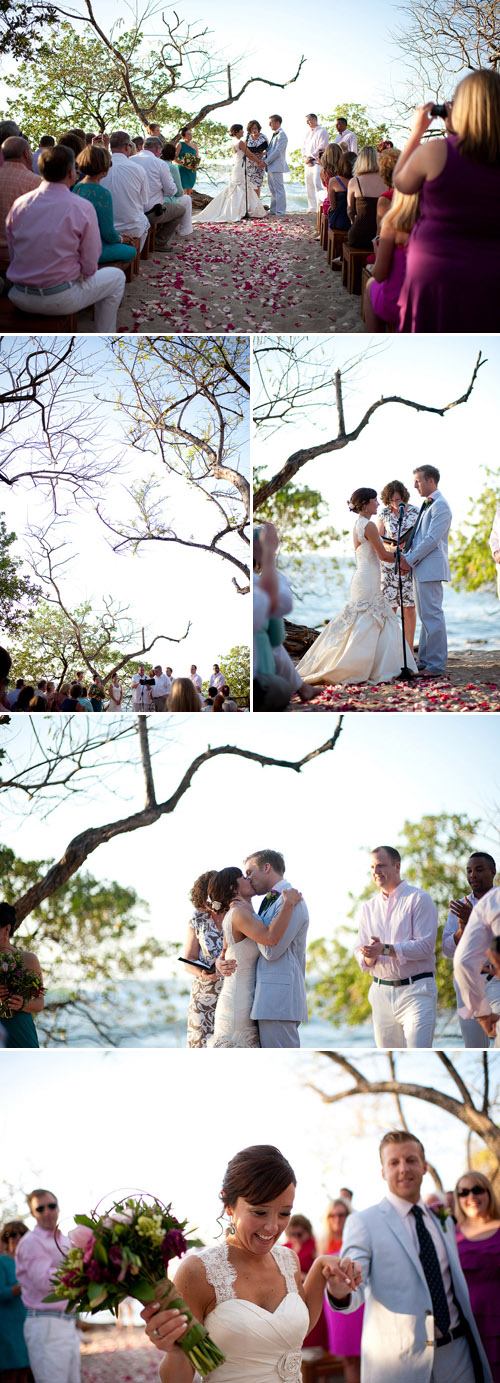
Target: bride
(230,892)
(230,204)
(363,642)
(248,1290)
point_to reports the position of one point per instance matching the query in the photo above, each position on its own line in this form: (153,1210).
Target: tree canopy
(471,559)
(358,120)
(17,593)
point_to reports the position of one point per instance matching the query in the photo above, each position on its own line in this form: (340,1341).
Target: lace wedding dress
(233,1025)
(230,204)
(260,1346)
(363,643)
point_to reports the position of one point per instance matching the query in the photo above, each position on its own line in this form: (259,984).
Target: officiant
(394,494)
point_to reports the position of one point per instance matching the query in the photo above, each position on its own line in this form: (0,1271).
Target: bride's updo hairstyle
(257,1174)
(225,887)
(236,130)
(359,498)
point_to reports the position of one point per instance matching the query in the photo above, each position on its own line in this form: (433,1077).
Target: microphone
(401,511)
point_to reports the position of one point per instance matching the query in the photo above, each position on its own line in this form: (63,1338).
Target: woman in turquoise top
(14,1355)
(19,1028)
(93,163)
(185,146)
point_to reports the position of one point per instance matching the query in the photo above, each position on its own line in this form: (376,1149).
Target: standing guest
(217,678)
(161,690)
(47,142)
(336,1216)
(195,677)
(276,165)
(477,1211)
(495,545)
(115,694)
(94,163)
(301,1239)
(257,144)
(346,137)
(480,871)
(166,208)
(14,1361)
(393,495)
(187,150)
(432,298)
(204,942)
(471,955)
(168,155)
(51,1336)
(127,182)
(97,692)
(54,246)
(396,943)
(183,697)
(343,1332)
(13,696)
(141,693)
(16,178)
(20,1028)
(313,146)
(364,189)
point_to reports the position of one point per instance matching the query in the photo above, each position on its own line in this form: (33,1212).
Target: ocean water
(472,617)
(296,199)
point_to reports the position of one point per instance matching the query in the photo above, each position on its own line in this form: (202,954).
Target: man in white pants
(396,943)
(54,245)
(51,1336)
(315,142)
(481,870)
(479,1000)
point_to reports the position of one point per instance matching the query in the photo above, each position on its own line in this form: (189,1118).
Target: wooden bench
(323,234)
(319,214)
(127,266)
(336,240)
(12,319)
(326,1366)
(353,262)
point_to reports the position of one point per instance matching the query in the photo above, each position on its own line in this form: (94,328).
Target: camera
(440,111)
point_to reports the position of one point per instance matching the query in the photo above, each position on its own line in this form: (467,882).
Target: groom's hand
(403,564)
(225,967)
(342,1276)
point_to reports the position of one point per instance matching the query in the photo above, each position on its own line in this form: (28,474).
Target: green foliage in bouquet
(19,980)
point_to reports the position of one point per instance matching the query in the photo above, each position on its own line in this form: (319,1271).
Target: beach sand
(110,1355)
(472,684)
(256,275)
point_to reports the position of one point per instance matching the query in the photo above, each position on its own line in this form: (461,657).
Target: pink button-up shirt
(406,919)
(37,1257)
(53,237)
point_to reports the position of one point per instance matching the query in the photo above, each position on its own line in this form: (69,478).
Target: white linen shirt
(407,919)
(349,139)
(404,1209)
(197,681)
(217,679)
(315,142)
(128,184)
(162,686)
(470,955)
(160,180)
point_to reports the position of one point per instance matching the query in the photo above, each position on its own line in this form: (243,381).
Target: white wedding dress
(233,1025)
(364,642)
(230,204)
(260,1346)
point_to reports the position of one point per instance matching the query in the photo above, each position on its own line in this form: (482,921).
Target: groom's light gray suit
(398,1332)
(428,559)
(280,1002)
(276,165)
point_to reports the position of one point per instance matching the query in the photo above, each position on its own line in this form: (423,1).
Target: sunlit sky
(324,820)
(97,1125)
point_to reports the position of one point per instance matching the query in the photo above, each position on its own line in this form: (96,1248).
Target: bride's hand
(342,1275)
(292,896)
(164,1328)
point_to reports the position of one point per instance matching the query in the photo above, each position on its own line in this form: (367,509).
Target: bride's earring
(231,1229)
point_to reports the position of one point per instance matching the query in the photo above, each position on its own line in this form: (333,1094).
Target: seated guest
(128,184)
(72,702)
(24,698)
(184,697)
(165,205)
(84,700)
(138,142)
(228,704)
(384,288)
(365,187)
(94,162)
(168,155)
(13,695)
(218,702)
(54,246)
(47,142)
(338,216)
(8,127)
(16,177)
(434,296)
(387,158)
(327,168)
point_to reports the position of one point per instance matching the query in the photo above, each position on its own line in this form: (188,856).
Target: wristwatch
(386,949)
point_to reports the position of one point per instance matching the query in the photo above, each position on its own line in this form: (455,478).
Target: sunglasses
(38,1209)
(473,1191)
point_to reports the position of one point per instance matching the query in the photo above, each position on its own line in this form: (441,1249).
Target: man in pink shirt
(16,178)
(54,244)
(396,944)
(51,1336)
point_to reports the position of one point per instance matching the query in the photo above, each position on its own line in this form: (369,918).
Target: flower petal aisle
(110,1355)
(431,694)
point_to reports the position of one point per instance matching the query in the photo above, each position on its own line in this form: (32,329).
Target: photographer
(478,945)
(141,685)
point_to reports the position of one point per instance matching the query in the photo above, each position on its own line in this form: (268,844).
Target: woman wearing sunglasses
(478,1241)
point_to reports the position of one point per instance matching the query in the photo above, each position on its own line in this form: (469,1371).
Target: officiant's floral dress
(390,580)
(204,990)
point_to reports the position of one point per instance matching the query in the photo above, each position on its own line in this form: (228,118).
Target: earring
(231,1229)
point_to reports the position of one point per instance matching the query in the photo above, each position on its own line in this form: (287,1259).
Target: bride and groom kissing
(263,997)
(363,643)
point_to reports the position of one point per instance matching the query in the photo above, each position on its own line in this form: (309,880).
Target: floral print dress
(390,578)
(204,989)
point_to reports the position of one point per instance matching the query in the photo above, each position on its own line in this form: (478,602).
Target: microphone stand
(405,674)
(246,216)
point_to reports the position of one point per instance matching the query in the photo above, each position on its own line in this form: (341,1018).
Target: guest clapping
(204,942)
(477,1211)
(471,956)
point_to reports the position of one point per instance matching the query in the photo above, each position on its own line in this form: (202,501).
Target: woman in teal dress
(185,146)
(19,1029)
(93,163)
(14,1361)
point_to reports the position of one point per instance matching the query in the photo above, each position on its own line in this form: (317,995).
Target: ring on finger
(156,1333)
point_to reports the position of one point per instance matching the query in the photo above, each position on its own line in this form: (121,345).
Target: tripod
(405,675)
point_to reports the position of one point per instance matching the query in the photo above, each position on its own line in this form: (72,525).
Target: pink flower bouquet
(19,980)
(125,1253)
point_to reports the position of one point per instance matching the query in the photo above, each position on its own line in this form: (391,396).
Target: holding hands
(342,1276)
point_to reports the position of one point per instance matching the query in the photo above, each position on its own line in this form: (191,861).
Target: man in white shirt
(141,693)
(162,189)
(217,678)
(480,997)
(128,184)
(195,677)
(346,137)
(481,870)
(315,142)
(396,943)
(495,545)
(161,689)
(418,1323)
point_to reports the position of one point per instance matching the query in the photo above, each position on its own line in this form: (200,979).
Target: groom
(276,165)
(280,1003)
(427,559)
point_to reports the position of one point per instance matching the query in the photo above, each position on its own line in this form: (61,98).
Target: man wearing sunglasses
(51,1336)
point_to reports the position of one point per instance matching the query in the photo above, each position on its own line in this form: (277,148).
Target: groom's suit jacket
(428,554)
(280,987)
(276,154)
(398,1319)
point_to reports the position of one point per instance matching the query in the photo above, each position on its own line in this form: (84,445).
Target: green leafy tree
(21,26)
(471,560)
(52,645)
(358,119)
(236,668)
(434,851)
(298,513)
(86,938)
(16,591)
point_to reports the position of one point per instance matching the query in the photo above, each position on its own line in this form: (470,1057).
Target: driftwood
(298,639)
(199,200)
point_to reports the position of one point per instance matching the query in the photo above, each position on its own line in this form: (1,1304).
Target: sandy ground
(109,1355)
(472,684)
(257,275)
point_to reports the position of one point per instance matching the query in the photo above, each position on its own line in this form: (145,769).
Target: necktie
(432,1271)
(412,537)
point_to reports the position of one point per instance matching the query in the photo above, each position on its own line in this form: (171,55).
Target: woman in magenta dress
(344,1332)
(452,281)
(384,288)
(301,1239)
(478,1240)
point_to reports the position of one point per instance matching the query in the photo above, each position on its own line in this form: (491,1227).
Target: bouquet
(19,980)
(190,161)
(125,1253)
